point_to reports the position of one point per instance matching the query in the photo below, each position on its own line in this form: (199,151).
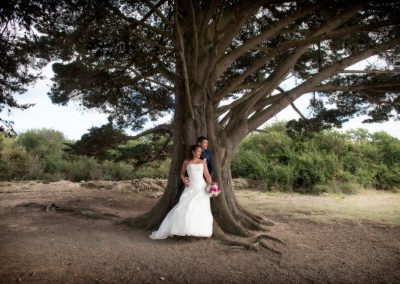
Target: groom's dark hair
(201,139)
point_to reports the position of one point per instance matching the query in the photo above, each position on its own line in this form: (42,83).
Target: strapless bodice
(195,172)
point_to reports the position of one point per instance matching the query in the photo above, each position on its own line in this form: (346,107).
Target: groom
(205,155)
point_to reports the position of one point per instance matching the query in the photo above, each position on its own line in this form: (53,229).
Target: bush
(279,177)
(82,168)
(328,161)
(44,143)
(249,164)
(313,168)
(308,164)
(157,169)
(116,171)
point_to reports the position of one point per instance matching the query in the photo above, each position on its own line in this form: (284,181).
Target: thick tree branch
(196,38)
(226,28)
(259,118)
(229,58)
(157,154)
(263,102)
(207,13)
(370,71)
(184,63)
(233,21)
(272,82)
(224,120)
(233,85)
(162,128)
(272,52)
(330,87)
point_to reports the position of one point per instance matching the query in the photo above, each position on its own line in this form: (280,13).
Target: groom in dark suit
(205,155)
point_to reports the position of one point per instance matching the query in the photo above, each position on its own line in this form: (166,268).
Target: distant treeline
(312,163)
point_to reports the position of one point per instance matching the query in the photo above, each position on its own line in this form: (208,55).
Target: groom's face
(204,144)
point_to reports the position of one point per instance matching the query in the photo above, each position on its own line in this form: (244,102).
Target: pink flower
(213,190)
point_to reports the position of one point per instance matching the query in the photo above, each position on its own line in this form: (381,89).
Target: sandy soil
(85,243)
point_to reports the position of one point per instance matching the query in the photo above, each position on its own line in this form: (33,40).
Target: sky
(74,121)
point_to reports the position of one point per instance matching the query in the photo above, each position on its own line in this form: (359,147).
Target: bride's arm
(182,175)
(206,173)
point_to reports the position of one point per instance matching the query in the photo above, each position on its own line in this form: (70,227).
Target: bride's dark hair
(192,149)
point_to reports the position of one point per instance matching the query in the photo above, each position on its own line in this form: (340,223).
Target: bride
(191,216)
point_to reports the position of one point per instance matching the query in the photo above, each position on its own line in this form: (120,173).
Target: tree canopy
(122,56)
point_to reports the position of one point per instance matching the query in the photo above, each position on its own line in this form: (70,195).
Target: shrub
(307,164)
(82,168)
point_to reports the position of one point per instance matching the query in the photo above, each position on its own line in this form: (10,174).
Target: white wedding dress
(191,216)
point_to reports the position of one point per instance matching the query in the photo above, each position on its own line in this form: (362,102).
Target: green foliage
(156,169)
(2,138)
(248,161)
(97,141)
(317,162)
(42,142)
(327,161)
(18,164)
(40,154)
(46,145)
(82,168)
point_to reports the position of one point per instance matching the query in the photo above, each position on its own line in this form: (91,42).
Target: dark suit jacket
(206,154)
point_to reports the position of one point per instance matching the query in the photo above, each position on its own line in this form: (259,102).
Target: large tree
(222,68)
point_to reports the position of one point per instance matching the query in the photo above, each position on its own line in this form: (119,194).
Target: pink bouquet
(213,189)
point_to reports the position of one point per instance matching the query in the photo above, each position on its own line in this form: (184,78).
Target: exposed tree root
(256,217)
(146,221)
(249,243)
(258,224)
(152,219)
(52,207)
(249,226)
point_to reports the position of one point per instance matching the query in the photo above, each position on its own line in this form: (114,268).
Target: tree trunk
(195,116)
(229,216)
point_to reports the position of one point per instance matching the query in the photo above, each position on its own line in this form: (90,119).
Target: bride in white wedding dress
(191,216)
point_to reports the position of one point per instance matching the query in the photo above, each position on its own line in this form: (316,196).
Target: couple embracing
(191,216)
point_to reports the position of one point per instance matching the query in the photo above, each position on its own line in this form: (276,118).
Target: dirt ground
(328,239)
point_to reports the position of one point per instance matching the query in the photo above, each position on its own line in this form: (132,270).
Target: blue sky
(74,121)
